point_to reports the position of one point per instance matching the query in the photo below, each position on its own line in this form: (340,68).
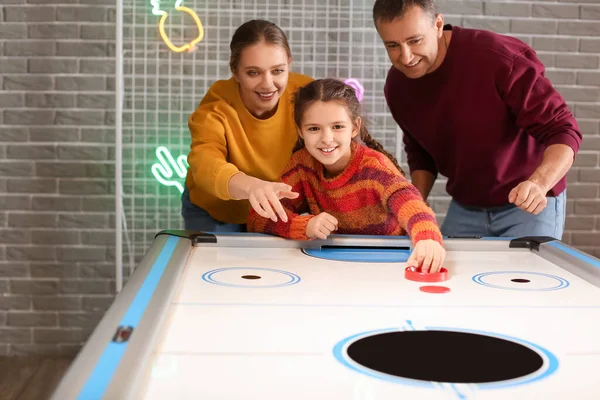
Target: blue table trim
(100,377)
(381,255)
(583,257)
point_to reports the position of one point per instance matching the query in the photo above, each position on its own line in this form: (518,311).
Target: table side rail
(136,366)
(268,241)
(74,380)
(578,263)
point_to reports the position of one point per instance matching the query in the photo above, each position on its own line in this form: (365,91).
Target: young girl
(347,182)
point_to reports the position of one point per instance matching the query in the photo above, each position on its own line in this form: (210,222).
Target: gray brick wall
(56,172)
(56,151)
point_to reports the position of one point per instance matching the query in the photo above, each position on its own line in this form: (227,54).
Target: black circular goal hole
(519,280)
(445,356)
(251,277)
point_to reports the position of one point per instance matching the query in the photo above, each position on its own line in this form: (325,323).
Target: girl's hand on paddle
(427,256)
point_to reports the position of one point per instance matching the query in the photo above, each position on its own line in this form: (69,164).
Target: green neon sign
(168,171)
(156,6)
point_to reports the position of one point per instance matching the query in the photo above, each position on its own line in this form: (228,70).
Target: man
(476,107)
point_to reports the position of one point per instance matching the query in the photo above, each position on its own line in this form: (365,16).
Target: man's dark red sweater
(482,119)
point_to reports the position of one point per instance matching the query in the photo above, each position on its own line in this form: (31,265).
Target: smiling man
(476,107)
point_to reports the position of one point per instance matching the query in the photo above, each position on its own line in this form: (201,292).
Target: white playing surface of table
(274,337)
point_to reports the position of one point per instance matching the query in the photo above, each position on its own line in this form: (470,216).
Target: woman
(243,135)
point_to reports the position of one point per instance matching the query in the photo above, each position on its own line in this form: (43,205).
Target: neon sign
(161,25)
(167,170)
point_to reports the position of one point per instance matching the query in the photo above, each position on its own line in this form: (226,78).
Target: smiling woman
(243,134)
(262,74)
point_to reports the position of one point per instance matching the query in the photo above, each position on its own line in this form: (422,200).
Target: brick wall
(56,150)
(56,171)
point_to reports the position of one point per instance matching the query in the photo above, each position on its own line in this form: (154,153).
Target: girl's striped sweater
(370,197)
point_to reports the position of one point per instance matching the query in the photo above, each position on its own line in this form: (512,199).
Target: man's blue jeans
(197,219)
(506,221)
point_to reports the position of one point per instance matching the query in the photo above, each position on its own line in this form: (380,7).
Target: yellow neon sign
(161,25)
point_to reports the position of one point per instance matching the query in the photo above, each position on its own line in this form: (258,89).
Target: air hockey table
(252,316)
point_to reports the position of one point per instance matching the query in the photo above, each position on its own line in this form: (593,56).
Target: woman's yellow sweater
(227,139)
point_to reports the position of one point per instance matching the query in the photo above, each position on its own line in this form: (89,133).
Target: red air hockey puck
(434,289)
(415,274)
